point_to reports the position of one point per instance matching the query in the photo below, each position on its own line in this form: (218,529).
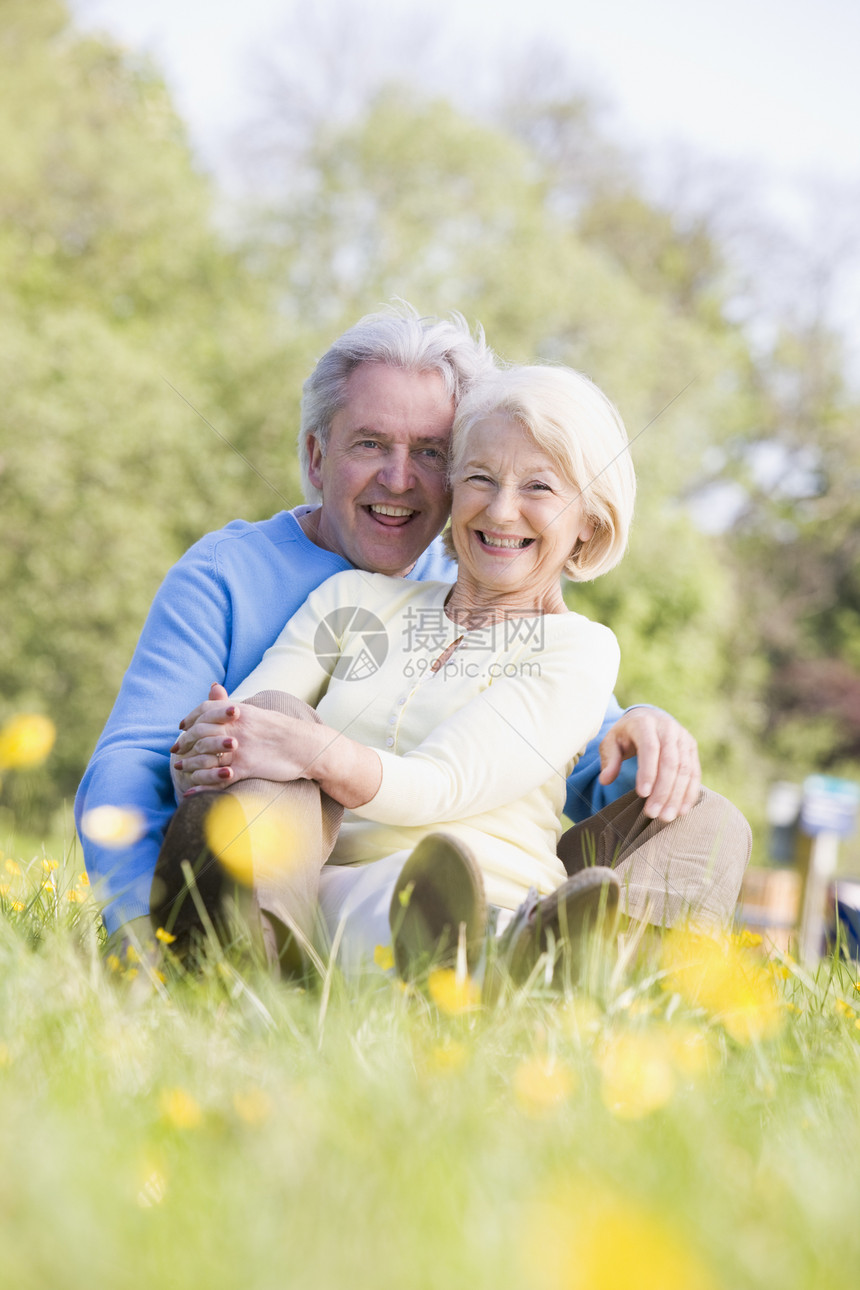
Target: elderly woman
(435,721)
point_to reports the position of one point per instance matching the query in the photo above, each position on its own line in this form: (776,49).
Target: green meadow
(683,1114)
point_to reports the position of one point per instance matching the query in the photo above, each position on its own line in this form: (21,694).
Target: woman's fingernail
(182,725)
(231,711)
(224,772)
(175,747)
(177,765)
(228,743)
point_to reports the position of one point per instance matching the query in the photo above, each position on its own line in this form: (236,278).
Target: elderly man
(376,415)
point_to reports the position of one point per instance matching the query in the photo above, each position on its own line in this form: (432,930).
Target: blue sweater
(216,613)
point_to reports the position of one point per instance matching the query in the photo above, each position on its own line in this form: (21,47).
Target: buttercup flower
(180,1109)
(590,1238)
(540,1084)
(383,957)
(727,980)
(452,994)
(25,741)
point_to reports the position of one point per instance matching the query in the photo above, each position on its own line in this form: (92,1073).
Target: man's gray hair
(401,338)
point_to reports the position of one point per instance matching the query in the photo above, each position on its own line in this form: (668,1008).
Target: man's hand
(669,775)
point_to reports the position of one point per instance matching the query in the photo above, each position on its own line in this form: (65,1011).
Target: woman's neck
(471,607)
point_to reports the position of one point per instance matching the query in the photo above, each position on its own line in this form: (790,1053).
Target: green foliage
(114,284)
(117,286)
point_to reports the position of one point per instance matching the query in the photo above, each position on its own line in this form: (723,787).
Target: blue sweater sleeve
(184,646)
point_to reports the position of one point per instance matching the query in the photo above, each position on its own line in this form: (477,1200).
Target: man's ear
(315,457)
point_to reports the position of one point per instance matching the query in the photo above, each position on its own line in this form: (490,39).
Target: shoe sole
(439,889)
(585,903)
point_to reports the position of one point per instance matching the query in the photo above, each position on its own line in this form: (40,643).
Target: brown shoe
(440,890)
(586,902)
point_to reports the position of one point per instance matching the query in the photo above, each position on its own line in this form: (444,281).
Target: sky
(767,90)
(771,83)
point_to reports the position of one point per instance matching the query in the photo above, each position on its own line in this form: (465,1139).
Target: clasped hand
(209,754)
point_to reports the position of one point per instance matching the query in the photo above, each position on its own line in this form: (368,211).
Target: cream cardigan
(480,747)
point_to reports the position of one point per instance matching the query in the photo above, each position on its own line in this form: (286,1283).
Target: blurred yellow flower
(448,1057)
(114,963)
(50,866)
(540,1084)
(637,1074)
(451,993)
(5,888)
(14,868)
(166,938)
(844,1009)
(83,879)
(250,838)
(584,1237)
(113,826)
(180,1109)
(583,1017)
(25,740)
(253,1106)
(383,957)
(18,906)
(727,980)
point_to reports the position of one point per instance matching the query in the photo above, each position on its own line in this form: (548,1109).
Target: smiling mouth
(503,543)
(392,515)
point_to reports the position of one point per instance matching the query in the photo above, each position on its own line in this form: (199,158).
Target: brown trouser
(690,868)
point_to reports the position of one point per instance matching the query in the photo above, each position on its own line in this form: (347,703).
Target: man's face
(383,474)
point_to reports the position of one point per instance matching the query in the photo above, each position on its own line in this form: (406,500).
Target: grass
(658,1125)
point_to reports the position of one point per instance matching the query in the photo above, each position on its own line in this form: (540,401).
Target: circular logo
(351,643)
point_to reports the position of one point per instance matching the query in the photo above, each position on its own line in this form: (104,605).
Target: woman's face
(515,519)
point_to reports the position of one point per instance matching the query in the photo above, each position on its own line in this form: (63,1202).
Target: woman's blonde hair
(574,423)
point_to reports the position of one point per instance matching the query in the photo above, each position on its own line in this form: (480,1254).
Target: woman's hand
(223,741)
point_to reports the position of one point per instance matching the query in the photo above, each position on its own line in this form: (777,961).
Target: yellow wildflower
(162,934)
(83,879)
(383,957)
(253,1106)
(14,868)
(113,827)
(50,866)
(25,740)
(722,977)
(540,1084)
(18,906)
(451,993)
(448,1057)
(844,1009)
(592,1239)
(638,1076)
(114,963)
(746,939)
(5,888)
(179,1109)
